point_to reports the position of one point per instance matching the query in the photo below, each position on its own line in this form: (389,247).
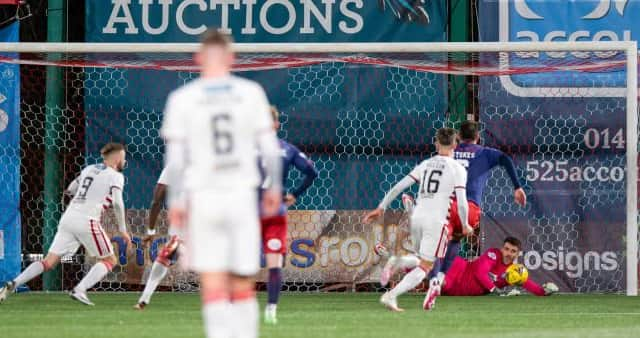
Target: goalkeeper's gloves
(549,288)
(506,291)
(512,292)
(496,291)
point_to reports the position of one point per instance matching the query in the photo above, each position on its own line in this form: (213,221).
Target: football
(516,274)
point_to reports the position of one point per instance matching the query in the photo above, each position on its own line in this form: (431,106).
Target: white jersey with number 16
(438,177)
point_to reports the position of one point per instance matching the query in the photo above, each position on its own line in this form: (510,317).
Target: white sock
(96,274)
(409,282)
(244,318)
(32,271)
(408,262)
(158,271)
(216,319)
(440,276)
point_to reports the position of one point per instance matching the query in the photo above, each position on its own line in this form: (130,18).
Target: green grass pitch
(329,315)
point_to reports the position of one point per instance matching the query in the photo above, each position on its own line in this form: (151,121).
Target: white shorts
(224,232)
(429,236)
(75,230)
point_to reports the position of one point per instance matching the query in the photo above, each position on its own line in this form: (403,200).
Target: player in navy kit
(479,161)
(274,229)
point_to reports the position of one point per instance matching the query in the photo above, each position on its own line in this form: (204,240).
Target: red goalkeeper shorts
(274,234)
(455,225)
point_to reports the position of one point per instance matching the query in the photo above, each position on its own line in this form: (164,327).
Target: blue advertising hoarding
(567,135)
(10,232)
(262,21)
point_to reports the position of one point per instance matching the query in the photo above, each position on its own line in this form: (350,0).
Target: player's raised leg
(168,254)
(409,282)
(34,270)
(159,270)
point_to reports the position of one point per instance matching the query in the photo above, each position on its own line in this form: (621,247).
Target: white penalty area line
(576,313)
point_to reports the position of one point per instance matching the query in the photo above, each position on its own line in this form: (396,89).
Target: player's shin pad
(169,253)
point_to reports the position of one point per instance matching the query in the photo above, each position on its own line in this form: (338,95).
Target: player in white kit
(440,178)
(212,126)
(168,255)
(98,188)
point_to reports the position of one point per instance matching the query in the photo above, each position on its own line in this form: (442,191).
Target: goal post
(358,135)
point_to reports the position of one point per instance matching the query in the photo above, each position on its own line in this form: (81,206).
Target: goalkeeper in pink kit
(486,274)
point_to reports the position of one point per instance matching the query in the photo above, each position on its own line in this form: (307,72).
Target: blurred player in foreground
(212,126)
(98,188)
(440,177)
(169,253)
(485,274)
(274,228)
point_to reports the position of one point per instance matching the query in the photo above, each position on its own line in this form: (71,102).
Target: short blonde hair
(213,37)
(111,148)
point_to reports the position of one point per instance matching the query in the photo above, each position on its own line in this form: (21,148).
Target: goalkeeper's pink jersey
(479,276)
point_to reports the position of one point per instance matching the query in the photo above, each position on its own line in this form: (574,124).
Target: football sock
(408,282)
(244,315)
(96,274)
(216,315)
(158,272)
(453,249)
(274,285)
(32,271)
(437,267)
(440,276)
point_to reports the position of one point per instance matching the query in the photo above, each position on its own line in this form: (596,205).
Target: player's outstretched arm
(463,210)
(461,197)
(159,193)
(306,167)
(175,190)
(174,133)
(506,162)
(486,262)
(118,210)
(534,288)
(397,189)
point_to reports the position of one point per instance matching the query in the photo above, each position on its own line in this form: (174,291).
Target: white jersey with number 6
(219,123)
(438,178)
(218,120)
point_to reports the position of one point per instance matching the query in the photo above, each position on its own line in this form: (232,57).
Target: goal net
(365,114)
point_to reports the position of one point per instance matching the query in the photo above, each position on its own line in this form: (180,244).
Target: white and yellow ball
(516,274)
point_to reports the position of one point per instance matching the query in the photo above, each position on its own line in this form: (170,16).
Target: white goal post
(630,49)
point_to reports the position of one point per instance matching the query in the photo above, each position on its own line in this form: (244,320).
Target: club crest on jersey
(492,255)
